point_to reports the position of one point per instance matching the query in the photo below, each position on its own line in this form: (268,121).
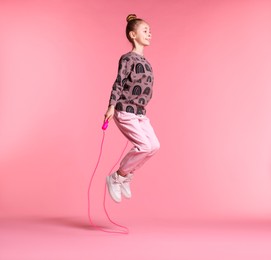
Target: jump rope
(124,230)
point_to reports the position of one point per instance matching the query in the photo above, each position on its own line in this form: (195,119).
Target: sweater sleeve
(124,70)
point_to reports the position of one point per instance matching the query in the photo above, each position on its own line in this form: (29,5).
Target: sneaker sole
(112,194)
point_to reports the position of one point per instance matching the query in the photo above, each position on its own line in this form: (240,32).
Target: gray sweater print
(133,87)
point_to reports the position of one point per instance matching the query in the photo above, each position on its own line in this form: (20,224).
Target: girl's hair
(132,24)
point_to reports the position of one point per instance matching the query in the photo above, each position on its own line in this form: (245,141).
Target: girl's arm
(124,69)
(109,113)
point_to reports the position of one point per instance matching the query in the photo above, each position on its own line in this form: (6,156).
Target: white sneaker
(114,186)
(125,185)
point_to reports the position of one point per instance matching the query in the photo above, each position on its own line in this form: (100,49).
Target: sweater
(133,87)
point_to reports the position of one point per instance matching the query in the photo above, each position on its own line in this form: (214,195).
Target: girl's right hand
(109,113)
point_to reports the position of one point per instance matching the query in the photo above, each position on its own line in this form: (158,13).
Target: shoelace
(116,180)
(128,178)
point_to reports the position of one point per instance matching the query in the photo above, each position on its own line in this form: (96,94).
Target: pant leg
(138,130)
(150,134)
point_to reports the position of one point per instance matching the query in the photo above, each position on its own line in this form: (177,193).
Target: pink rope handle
(126,230)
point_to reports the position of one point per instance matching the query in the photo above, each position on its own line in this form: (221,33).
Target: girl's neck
(139,50)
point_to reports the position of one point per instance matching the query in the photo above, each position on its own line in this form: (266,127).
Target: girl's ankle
(121,174)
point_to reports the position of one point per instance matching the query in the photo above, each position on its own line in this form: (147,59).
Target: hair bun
(131,17)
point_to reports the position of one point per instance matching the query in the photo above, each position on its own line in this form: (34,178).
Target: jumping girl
(131,92)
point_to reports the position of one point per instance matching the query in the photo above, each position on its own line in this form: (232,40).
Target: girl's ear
(132,35)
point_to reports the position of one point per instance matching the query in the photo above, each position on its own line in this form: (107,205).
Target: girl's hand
(109,113)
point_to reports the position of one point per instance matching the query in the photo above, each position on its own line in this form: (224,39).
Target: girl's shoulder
(131,56)
(127,56)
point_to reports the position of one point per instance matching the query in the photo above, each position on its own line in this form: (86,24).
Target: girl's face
(142,35)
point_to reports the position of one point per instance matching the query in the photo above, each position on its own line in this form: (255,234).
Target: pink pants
(138,130)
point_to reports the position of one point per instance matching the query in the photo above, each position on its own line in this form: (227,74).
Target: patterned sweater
(132,89)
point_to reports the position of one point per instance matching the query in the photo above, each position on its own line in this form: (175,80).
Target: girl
(131,92)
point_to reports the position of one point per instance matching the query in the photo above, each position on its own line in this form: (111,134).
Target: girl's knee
(155,147)
(150,148)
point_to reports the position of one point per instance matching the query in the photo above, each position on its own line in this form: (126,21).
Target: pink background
(211,108)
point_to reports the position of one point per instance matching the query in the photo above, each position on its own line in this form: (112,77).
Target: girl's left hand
(109,113)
